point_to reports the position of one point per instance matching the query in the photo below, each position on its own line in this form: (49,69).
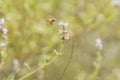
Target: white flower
(66,36)
(99,44)
(115,2)
(4,30)
(65,24)
(62,31)
(2,21)
(15,64)
(61,23)
(3,44)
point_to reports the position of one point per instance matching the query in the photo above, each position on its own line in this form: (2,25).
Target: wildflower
(62,31)
(115,2)
(61,23)
(2,21)
(15,64)
(4,30)
(3,44)
(66,36)
(99,44)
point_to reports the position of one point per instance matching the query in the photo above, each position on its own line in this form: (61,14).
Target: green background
(32,38)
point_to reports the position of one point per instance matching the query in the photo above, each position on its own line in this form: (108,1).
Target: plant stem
(41,67)
(68,63)
(30,73)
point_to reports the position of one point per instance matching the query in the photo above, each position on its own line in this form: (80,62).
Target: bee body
(51,20)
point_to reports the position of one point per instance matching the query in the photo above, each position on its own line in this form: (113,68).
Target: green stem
(30,73)
(97,65)
(41,67)
(68,63)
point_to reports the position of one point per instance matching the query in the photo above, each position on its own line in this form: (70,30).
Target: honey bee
(51,20)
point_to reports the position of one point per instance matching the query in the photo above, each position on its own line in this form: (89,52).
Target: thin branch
(41,67)
(68,63)
(31,73)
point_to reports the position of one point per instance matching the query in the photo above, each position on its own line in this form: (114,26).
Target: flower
(66,36)
(62,31)
(115,2)
(61,23)
(4,30)
(3,44)
(16,64)
(99,44)
(2,21)
(65,24)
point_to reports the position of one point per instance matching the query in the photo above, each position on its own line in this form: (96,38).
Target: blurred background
(32,39)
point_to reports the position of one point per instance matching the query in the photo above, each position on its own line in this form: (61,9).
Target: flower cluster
(3,38)
(63,31)
(99,43)
(3,33)
(16,64)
